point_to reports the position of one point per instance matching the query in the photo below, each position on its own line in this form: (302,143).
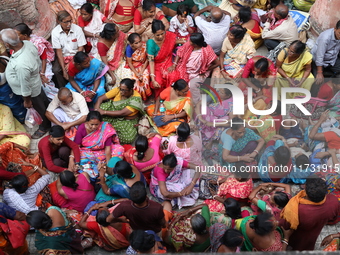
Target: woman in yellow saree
(178,108)
(11,130)
(294,65)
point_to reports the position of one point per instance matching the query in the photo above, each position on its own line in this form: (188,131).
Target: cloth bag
(205,187)
(144,126)
(16,231)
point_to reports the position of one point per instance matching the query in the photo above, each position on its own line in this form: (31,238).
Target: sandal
(38,134)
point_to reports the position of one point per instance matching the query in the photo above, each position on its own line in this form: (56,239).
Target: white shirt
(182,29)
(72,110)
(214,33)
(69,43)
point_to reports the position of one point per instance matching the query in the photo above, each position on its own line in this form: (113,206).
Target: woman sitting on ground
(194,62)
(171,180)
(275,163)
(262,233)
(146,154)
(185,145)
(177,102)
(143,18)
(117,185)
(294,66)
(58,152)
(98,141)
(86,76)
(231,212)
(91,21)
(272,202)
(231,241)
(122,110)
(74,191)
(245,19)
(238,186)
(238,47)
(109,236)
(55,234)
(21,197)
(137,62)
(190,230)
(239,144)
(111,47)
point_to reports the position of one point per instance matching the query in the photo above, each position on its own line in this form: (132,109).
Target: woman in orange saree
(14,153)
(137,62)
(178,108)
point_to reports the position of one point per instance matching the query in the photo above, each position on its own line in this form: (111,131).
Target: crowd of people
(124,143)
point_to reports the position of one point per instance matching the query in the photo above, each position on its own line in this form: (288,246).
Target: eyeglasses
(67,22)
(124,90)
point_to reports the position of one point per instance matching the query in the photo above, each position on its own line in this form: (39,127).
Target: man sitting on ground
(326,53)
(68,109)
(215,31)
(279,27)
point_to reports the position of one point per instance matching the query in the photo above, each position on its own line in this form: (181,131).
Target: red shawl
(184,52)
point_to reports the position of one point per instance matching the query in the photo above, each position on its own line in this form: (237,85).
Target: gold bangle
(35,168)
(87,214)
(113,201)
(105,113)
(332,237)
(193,183)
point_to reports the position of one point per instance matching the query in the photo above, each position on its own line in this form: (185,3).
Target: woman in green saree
(54,233)
(122,110)
(261,233)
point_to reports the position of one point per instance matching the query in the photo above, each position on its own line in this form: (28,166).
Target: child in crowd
(182,24)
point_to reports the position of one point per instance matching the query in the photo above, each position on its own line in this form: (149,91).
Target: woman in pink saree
(98,142)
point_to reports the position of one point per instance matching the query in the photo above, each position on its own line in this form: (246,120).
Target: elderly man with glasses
(67,40)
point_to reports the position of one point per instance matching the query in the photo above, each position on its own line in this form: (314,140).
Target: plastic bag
(32,118)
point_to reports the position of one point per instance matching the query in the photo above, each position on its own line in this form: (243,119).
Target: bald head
(282,10)
(216,14)
(63,93)
(10,37)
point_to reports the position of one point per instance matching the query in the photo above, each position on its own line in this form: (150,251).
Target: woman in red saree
(160,57)
(109,236)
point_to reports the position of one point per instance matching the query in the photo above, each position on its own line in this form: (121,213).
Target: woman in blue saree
(117,185)
(87,76)
(277,165)
(239,144)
